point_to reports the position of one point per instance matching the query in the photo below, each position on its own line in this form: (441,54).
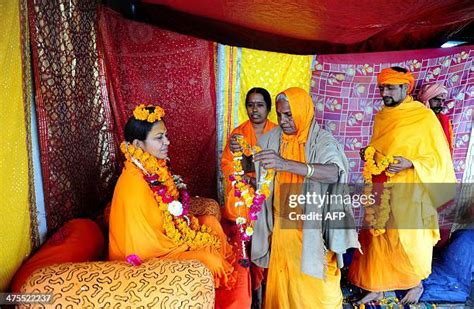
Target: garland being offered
(249,201)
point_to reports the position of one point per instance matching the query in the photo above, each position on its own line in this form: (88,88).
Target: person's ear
(138,143)
(405,88)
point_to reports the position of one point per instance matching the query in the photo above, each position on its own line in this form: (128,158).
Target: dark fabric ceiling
(316,26)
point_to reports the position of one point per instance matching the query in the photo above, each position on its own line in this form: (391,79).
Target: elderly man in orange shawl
(434,97)
(258,104)
(303,258)
(409,139)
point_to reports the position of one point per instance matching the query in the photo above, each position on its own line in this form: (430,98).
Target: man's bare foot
(413,295)
(371,296)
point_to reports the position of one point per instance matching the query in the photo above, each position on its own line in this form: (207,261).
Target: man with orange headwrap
(302,250)
(434,96)
(400,255)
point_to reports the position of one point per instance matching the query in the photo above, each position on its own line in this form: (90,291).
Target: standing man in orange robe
(400,257)
(434,97)
(258,104)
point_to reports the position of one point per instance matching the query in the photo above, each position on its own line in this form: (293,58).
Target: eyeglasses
(256,102)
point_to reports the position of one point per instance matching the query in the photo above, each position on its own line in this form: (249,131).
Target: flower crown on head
(141,113)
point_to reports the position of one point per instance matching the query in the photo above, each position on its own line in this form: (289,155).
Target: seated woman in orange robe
(149,214)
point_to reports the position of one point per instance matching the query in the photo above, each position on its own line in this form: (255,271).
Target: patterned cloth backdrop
(239,70)
(147,65)
(77,149)
(346,96)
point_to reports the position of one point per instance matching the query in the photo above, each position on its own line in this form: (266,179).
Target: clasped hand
(399,165)
(234,143)
(269,159)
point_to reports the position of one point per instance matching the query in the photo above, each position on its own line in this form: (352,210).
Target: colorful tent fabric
(75,130)
(80,122)
(239,70)
(147,65)
(300,26)
(346,96)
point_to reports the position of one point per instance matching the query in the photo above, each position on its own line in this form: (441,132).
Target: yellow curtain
(14,218)
(273,71)
(240,69)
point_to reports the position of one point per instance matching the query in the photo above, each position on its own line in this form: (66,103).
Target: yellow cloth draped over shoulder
(401,257)
(136,227)
(245,129)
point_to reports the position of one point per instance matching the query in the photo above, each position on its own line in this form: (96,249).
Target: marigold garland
(168,190)
(142,113)
(247,197)
(377,217)
(372,168)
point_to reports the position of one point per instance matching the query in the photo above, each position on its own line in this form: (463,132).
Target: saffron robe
(230,212)
(136,227)
(401,257)
(447,128)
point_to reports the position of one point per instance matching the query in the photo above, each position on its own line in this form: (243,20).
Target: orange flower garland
(372,168)
(177,228)
(377,217)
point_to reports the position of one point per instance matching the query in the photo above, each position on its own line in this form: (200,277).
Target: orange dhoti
(298,278)
(287,286)
(241,296)
(384,266)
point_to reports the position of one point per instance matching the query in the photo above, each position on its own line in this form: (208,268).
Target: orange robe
(79,240)
(245,129)
(401,257)
(447,128)
(136,227)
(287,286)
